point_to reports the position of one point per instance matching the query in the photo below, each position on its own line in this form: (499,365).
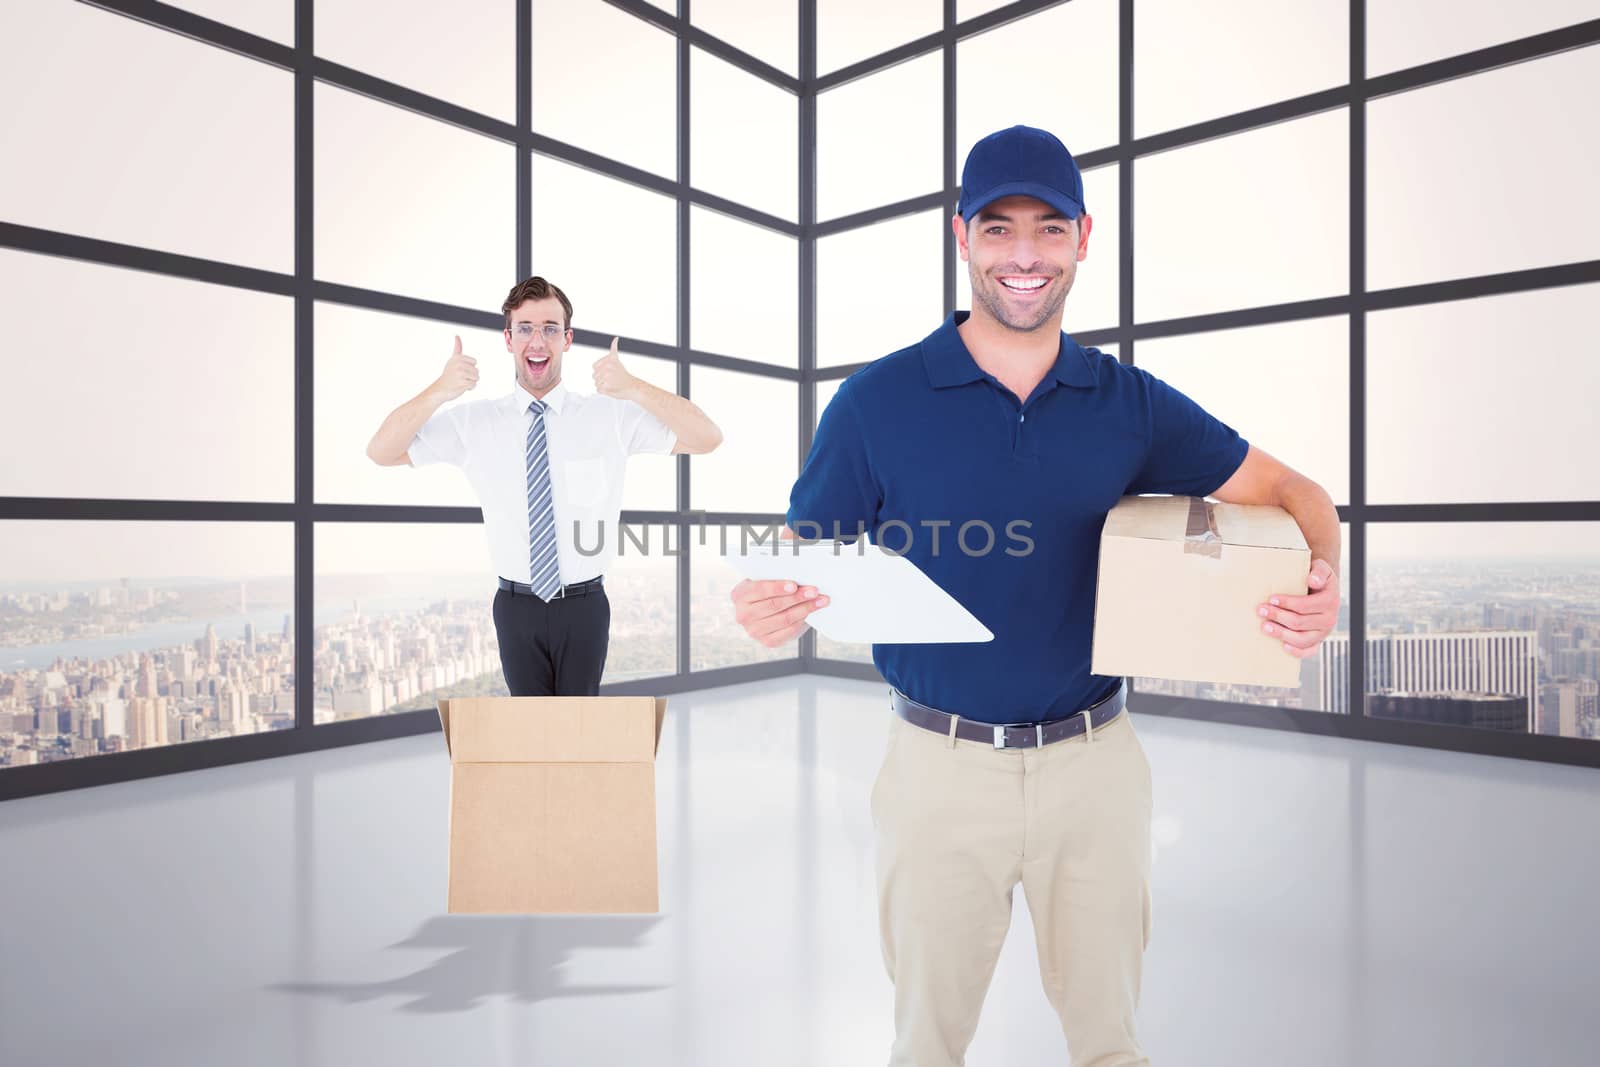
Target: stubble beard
(990,293)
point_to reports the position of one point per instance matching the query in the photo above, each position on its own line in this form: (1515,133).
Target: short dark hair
(536,288)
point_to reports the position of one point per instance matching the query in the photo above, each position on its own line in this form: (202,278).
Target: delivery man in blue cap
(1008,761)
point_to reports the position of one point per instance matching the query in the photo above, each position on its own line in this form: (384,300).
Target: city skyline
(220,684)
(385,642)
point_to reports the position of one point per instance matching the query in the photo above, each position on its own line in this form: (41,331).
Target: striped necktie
(544,564)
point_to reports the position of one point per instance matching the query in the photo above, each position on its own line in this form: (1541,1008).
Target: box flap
(444,723)
(553,729)
(661,714)
(1203,522)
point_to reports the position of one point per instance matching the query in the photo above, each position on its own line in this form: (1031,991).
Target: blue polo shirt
(923,441)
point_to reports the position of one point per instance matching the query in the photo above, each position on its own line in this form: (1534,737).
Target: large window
(1337,268)
(221,277)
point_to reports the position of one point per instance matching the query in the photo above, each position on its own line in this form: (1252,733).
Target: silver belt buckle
(1000,736)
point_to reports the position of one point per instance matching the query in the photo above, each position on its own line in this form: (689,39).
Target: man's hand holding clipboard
(877,596)
(774,611)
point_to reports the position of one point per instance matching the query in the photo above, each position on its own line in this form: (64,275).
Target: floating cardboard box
(552,803)
(1180,581)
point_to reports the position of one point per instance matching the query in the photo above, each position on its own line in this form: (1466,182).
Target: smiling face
(1022,255)
(537,359)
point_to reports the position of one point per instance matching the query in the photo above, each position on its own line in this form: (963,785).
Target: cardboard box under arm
(552,804)
(1180,580)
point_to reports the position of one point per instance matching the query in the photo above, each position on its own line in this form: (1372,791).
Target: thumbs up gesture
(460,374)
(610,379)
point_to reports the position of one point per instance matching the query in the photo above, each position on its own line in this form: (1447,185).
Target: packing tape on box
(1201,535)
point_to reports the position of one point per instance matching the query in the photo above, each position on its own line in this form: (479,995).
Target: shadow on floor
(518,956)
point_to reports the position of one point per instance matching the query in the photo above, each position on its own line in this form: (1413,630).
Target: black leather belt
(576,589)
(1011,735)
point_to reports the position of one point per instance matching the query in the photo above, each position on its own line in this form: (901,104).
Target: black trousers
(556,649)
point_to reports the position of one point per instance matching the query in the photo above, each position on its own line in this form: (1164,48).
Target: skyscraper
(1498,662)
(113,717)
(1567,705)
(141,722)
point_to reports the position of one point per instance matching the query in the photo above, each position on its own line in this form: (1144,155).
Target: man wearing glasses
(547,466)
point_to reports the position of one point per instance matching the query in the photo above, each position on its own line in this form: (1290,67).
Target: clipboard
(874,596)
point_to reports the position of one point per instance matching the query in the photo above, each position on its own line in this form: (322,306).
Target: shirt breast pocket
(587,482)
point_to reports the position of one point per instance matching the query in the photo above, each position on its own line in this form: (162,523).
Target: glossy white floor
(1317,902)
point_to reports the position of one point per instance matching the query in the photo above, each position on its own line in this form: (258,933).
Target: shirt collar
(555,399)
(949,363)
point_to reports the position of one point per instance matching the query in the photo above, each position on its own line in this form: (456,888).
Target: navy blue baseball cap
(1021,161)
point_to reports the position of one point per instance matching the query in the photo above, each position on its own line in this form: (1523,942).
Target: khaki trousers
(959,824)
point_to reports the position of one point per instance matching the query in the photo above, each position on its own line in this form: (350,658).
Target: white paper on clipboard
(874,596)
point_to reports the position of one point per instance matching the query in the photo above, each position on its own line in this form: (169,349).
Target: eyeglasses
(523,331)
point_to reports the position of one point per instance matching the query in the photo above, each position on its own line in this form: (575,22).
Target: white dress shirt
(589,439)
